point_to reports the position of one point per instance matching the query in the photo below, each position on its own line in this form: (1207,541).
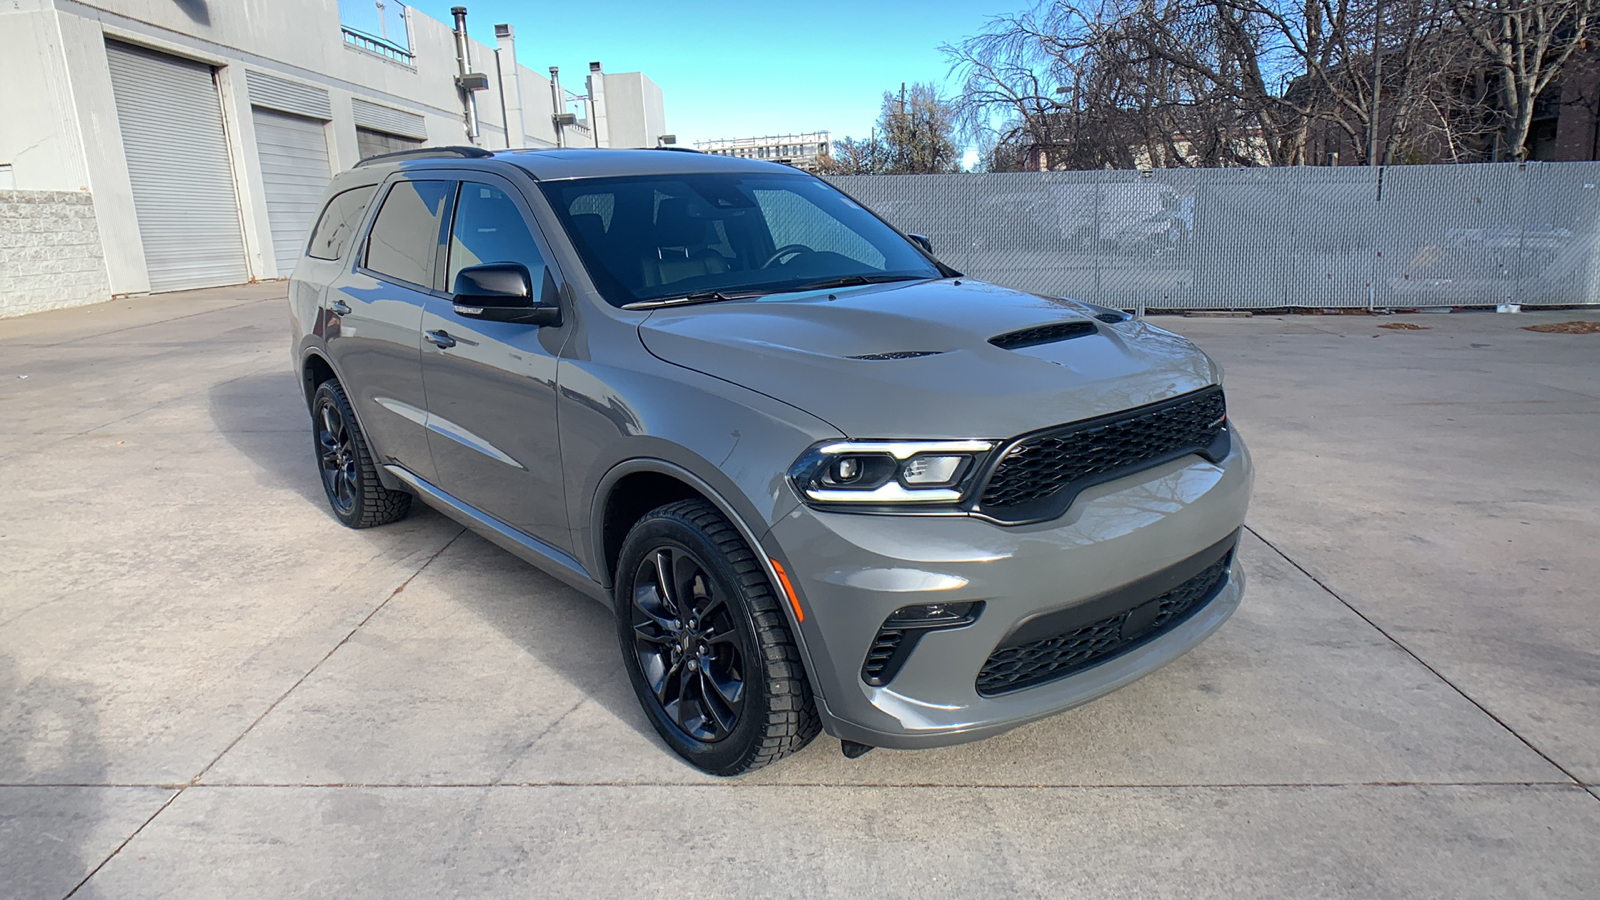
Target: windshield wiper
(713,296)
(692,298)
(847,281)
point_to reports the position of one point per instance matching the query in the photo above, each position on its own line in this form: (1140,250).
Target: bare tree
(1208,74)
(1090,83)
(1526,44)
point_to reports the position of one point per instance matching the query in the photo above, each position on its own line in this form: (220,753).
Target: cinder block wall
(50,255)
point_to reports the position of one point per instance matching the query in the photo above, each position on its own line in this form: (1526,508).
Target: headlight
(868,473)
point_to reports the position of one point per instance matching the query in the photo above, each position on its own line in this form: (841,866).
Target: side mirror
(503,292)
(921,240)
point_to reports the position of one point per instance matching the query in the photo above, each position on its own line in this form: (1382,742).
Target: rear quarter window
(337,225)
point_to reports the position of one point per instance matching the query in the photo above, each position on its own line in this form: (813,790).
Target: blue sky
(736,69)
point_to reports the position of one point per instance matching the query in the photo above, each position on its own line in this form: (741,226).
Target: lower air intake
(1058,656)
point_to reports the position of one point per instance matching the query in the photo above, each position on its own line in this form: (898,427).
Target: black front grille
(1039,475)
(1047,659)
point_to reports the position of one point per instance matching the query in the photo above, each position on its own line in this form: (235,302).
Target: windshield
(661,237)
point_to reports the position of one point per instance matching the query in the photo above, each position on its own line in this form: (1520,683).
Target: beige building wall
(61,131)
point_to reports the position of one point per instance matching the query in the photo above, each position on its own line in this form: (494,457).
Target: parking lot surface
(208,688)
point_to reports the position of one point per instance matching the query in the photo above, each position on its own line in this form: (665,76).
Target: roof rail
(428,153)
(677,148)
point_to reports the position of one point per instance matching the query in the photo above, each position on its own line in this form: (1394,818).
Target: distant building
(159,145)
(803,151)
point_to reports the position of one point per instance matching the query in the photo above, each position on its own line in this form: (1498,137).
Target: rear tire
(706,644)
(349,477)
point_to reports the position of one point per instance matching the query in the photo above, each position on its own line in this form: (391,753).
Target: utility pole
(905,131)
(1377,85)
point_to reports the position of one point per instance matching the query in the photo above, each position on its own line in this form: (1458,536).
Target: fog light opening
(933,615)
(899,635)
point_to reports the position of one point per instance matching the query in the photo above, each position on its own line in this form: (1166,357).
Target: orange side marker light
(788,589)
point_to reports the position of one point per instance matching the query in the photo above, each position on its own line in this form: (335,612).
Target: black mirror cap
(503,292)
(494,284)
(921,240)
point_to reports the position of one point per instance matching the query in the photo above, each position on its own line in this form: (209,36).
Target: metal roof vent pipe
(559,117)
(597,106)
(467,81)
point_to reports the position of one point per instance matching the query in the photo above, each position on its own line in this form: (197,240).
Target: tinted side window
(339,222)
(489,229)
(406,231)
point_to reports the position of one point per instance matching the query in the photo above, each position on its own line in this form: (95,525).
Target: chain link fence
(1395,237)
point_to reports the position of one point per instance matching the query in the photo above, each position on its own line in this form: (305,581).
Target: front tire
(706,645)
(349,477)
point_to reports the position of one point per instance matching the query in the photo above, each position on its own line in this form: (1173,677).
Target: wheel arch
(315,368)
(610,524)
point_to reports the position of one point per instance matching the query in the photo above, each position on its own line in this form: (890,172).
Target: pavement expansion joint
(335,649)
(1413,654)
(193,782)
(118,849)
(976,785)
(114,331)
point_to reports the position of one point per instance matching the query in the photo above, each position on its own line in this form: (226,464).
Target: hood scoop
(1043,334)
(898,354)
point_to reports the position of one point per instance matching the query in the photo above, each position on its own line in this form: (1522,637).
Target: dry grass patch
(1578,327)
(1404,326)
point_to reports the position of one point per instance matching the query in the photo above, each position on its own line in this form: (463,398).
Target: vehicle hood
(800,348)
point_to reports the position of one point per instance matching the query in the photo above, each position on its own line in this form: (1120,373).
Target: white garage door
(172,134)
(294,171)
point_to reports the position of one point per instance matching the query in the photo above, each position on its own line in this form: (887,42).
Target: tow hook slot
(853,750)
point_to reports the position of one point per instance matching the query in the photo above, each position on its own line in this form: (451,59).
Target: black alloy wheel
(349,477)
(337,447)
(687,644)
(706,643)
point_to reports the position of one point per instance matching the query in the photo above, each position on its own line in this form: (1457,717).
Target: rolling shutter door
(383,129)
(371,143)
(294,172)
(183,193)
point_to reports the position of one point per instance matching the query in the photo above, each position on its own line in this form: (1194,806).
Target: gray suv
(826,482)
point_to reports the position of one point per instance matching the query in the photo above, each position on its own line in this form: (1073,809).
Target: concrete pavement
(210,688)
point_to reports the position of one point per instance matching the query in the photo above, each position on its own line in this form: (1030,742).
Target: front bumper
(852,571)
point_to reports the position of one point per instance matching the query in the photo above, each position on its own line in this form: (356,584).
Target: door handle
(440,339)
(339,307)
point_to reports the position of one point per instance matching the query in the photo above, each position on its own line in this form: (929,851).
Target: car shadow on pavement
(564,630)
(263,416)
(49,735)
